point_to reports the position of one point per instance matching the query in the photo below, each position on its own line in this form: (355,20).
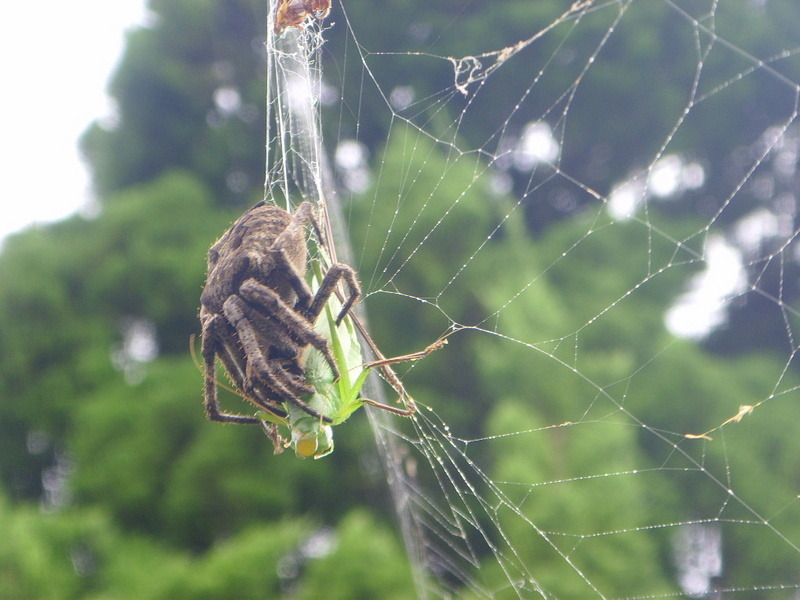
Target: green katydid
(339,398)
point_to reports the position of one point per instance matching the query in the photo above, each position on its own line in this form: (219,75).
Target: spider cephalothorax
(258,313)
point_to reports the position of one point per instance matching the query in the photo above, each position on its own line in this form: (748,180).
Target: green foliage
(81,554)
(156,424)
(367,562)
(153,480)
(602,496)
(38,550)
(66,293)
(538,386)
(244,567)
(168,506)
(167,116)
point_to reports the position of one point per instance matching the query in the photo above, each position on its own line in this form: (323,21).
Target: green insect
(336,398)
(283,332)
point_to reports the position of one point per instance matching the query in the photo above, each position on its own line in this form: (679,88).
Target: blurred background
(607,213)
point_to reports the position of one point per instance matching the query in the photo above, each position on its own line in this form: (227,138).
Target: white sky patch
(624,199)
(752,229)
(702,308)
(351,162)
(138,347)
(402,97)
(698,557)
(665,178)
(328,94)
(668,178)
(693,176)
(227,100)
(500,183)
(536,145)
(54,80)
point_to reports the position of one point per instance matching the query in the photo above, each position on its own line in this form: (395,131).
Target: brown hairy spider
(292,13)
(257,312)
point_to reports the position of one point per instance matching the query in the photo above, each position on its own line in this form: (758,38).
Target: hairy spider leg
(229,351)
(274,338)
(209,351)
(234,309)
(293,235)
(336,272)
(246,320)
(226,348)
(270,339)
(289,271)
(305,214)
(218,340)
(300,328)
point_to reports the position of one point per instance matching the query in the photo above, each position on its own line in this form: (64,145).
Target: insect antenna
(407,412)
(414,356)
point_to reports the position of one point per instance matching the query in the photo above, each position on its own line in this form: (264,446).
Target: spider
(292,13)
(257,312)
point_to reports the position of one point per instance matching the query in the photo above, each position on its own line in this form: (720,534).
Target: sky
(55,58)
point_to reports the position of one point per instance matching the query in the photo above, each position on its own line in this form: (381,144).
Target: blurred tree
(194,99)
(641,82)
(585,508)
(566,308)
(165,505)
(189,94)
(366,562)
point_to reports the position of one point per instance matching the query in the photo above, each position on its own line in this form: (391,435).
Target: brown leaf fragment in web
(292,13)
(744,410)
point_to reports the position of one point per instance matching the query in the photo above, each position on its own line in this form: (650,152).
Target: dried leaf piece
(292,13)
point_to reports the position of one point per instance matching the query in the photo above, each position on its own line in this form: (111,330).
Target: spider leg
(305,214)
(209,350)
(229,351)
(335,273)
(272,335)
(275,345)
(297,326)
(291,237)
(297,282)
(258,366)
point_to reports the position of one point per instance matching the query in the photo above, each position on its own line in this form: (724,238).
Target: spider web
(599,441)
